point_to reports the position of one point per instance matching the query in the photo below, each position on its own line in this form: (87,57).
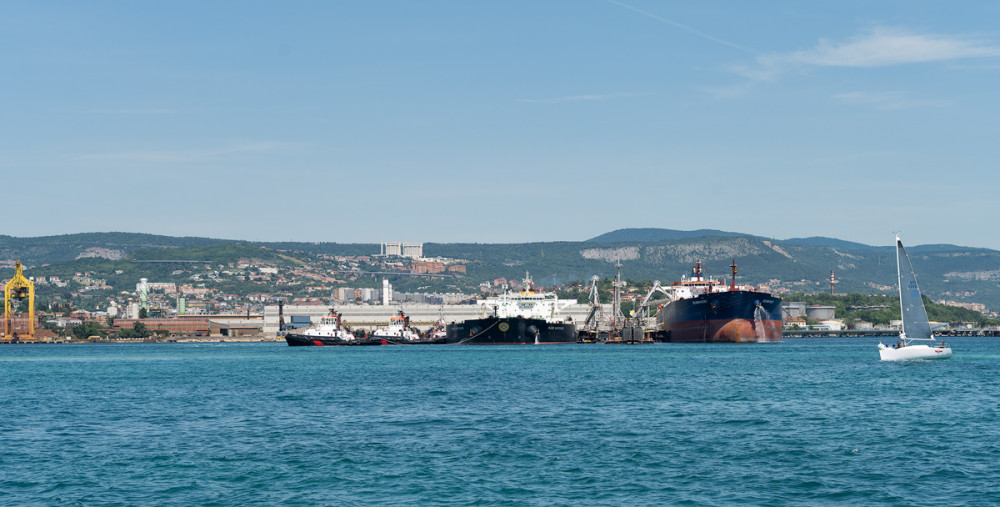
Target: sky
(501,122)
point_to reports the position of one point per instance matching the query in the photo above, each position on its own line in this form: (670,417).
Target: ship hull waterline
(722,317)
(298,340)
(510,331)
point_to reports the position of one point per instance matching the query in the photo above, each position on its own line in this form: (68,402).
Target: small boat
(399,332)
(916,326)
(329,332)
(438,333)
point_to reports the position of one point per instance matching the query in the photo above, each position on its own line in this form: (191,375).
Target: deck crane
(18,288)
(596,313)
(643,311)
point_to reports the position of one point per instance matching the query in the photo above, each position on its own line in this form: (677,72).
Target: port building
(402,249)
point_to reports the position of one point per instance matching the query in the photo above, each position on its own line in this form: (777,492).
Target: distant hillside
(831,242)
(803,265)
(109,245)
(654,235)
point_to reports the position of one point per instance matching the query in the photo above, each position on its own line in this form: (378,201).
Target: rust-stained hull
(725,317)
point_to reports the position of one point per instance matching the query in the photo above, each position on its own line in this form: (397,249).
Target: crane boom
(18,288)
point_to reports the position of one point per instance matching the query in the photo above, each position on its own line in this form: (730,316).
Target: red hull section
(722,331)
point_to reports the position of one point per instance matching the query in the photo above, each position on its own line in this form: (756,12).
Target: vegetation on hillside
(944,271)
(842,302)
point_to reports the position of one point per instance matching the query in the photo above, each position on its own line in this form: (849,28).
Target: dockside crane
(643,310)
(617,317)
(596,314)
(18,288)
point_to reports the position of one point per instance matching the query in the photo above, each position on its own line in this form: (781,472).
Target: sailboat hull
(913,352)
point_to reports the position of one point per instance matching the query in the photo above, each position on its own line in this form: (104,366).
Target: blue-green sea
(803,422)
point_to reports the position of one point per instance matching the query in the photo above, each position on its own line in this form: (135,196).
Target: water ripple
(802,422)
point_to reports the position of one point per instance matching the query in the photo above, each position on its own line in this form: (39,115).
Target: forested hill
(654,235)
(110,245)
(945,271)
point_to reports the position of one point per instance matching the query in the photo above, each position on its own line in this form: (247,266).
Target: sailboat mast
(899,285)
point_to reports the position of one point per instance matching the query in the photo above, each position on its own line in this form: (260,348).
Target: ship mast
(732,285)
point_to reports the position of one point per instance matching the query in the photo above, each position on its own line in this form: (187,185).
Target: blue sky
(513,121)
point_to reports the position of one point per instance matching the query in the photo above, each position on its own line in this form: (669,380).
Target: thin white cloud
(577,98)
(887,46)
(880,47)
(887,100)
(189,155)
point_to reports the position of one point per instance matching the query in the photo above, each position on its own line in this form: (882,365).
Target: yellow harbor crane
(18,288)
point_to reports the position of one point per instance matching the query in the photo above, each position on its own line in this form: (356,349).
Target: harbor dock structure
(369,317)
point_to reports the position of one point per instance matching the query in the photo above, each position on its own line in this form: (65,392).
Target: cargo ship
(701,310)
(329,332)
(516,318)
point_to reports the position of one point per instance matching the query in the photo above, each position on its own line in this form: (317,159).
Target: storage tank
(820,312)
(793,309)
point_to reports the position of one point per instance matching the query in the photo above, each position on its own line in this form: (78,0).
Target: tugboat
(518,318)
(438,333)
(703,310)
(399,332)
(329,332)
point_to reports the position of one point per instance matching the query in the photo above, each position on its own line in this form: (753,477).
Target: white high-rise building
(413,250)
(401,249)
(390,248)
(386,292)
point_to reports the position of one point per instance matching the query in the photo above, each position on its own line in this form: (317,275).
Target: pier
(887,333)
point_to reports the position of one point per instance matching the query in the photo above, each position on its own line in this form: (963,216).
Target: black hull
(728,317)
(298,340)
(510,331)
(422,341)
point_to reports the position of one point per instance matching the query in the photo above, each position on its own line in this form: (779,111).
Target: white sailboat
(915,324)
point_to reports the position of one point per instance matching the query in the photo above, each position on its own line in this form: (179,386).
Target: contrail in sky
(685,28)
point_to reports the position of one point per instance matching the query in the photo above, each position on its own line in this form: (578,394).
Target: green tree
(87,329)
(143,314)
(139,330)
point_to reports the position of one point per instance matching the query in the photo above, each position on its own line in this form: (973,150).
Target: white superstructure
(329,327)
(526,303)
(688,288)
(398,329)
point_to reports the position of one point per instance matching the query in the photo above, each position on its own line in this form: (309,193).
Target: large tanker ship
(516,318)
(703,310)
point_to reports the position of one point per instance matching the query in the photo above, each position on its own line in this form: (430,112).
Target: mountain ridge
(945,271)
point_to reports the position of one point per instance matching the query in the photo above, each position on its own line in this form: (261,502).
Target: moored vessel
(516,318)
(706,310)
(399,332)
(329,332)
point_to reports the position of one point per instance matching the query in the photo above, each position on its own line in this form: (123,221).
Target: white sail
(915,323)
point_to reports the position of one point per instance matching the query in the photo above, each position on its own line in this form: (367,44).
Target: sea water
(806,421)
